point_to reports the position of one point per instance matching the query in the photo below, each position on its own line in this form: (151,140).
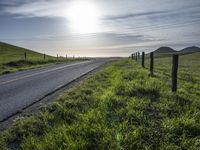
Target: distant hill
(164,50)
(10,52)
(190,49)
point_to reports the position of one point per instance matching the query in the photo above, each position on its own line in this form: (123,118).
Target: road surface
(21,89)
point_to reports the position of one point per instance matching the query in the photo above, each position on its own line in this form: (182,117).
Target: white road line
(27,76)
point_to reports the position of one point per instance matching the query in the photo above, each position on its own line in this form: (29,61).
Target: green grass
(13,53)
(12,59)
(120,107)
(188,71)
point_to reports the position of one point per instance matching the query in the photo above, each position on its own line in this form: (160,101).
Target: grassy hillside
(12,59)
(13,53)
(120,107)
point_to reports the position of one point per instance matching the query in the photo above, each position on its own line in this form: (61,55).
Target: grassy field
(120,107)
(188,71)
(12,59)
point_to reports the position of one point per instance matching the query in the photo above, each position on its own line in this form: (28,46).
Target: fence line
(26,56)
(174,70)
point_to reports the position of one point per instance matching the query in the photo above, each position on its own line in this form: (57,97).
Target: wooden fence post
(57,56)
(132,56)
(136,56)
(151,63)
(139,56)
(143,59)
(25,55)
(174,72)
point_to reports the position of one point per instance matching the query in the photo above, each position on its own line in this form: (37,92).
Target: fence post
(174,72)
(139,56)
(151,63)
(136,56)
(132,56)
(25,55)
(66,56)
(57,56)
(143,59)
(44,56)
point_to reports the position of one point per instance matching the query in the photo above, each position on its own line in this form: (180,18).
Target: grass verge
(120,107)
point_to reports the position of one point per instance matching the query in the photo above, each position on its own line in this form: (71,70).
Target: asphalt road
(21,89)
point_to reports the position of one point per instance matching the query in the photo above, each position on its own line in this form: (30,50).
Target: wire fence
(180,69)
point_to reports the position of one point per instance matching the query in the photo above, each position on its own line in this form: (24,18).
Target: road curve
(21,89)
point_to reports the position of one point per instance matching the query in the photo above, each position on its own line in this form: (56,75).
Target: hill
(191,49)
(12,59)
(164,50)
(10,52)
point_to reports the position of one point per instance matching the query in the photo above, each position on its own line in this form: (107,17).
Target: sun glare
(83,17)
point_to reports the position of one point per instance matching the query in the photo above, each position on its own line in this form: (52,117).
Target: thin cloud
(127,16)
(42,8)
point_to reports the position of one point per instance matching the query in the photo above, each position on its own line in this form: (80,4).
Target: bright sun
(83,17)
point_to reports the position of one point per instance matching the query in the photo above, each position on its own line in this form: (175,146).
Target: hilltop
(191,49)
(165,50)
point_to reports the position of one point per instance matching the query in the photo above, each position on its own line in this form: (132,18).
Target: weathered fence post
(57,56)
(25,55)
(132,56)
(44,56)
(142,59)
(174,72)
(151,63)
(136,56)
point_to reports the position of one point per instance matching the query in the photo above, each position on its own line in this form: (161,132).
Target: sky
(100,28)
